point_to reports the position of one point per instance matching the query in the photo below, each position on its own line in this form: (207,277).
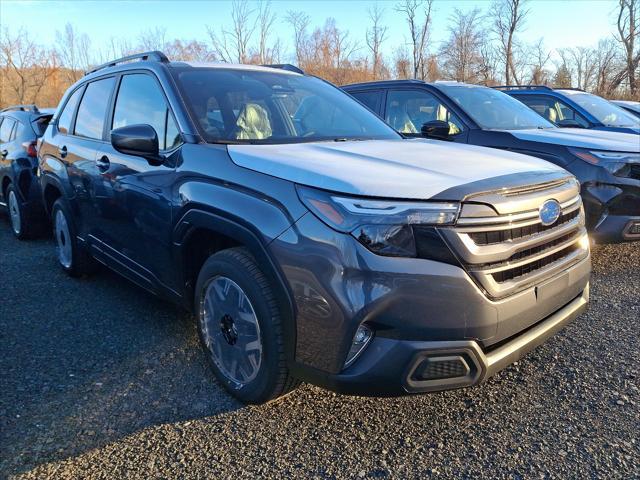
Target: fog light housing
(360,340)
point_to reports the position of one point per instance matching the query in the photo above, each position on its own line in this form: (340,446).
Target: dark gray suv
(312,242)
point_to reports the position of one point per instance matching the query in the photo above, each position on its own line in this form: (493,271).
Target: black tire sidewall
(262,387)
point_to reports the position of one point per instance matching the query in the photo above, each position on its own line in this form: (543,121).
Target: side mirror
(435,129)
(569,123)
(139,140)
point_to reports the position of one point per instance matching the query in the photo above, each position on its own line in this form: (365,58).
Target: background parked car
(20,128)
(629,106)
(606,163)
(575,108)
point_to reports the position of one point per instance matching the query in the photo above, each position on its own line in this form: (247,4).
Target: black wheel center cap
(228,329)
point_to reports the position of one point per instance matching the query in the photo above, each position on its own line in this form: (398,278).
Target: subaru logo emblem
(549,212)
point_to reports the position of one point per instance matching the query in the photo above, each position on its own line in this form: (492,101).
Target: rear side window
(140,101)
(370,99)
(64,121)
(19,131)
(5,130)
(93,109)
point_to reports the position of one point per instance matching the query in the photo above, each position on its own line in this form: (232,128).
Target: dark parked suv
(575,108)
(312,242)
(607,164)
(20,128)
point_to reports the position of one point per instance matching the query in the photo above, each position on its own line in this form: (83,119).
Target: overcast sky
(565,23)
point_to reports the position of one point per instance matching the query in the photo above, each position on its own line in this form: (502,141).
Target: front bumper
(390,367)
(612,204)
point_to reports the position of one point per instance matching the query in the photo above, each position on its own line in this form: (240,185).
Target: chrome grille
(507,249)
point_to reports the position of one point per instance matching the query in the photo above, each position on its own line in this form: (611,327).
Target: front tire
(73,259)
(240,327)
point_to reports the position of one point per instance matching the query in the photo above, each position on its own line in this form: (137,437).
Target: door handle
(103,163)
(4,153)
(62,151)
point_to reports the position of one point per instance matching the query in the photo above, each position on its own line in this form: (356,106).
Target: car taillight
(30,148)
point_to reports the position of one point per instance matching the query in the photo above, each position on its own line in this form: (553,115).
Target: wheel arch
(201,228)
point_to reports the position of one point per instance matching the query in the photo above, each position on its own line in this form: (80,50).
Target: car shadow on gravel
(87,361)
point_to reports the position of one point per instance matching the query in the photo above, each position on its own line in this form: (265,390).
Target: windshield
(604,111)
(494,110)
(258,106)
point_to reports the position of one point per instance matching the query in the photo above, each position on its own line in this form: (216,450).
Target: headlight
(383,226)
(618,163)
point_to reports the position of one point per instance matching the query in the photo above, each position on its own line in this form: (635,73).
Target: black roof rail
(154,55)
(285,66)
(23,108)
(521,87)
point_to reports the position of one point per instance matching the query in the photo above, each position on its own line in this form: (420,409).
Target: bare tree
(461,54)
(233,45)
(540,58)
(266,20)
(73,49)
(375,36)
(26,67)
(607,63)
(300,22)
(628,24)
(419,30)
(402,63)
(509,19)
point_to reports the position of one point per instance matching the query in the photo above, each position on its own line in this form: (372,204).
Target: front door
(135,237)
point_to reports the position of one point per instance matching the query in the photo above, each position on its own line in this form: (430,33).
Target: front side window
(64,121)
(259,106)
(552,109)
(140,101)
(93,109)
(492,109)
(5,130)
(604,111)
(408,110)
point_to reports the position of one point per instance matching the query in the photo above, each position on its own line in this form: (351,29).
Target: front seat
(550,114)
(253,123)
(399,119)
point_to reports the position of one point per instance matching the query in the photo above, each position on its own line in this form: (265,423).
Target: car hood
(411,169)
(581,138)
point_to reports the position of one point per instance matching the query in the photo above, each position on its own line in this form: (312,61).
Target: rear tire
(18,218)
(240,327)
(73,259)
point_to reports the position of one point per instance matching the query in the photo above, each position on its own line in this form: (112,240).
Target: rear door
(77,149)
(6,149)
(135,233)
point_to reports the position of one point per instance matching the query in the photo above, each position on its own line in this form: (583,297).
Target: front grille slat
(513,273)
(507,253)
(500,236)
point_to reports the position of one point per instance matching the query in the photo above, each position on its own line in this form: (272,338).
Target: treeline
(481,47)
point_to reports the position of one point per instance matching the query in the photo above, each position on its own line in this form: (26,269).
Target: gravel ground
(101,380)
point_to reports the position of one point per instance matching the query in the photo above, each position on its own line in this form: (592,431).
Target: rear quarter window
(369,98)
